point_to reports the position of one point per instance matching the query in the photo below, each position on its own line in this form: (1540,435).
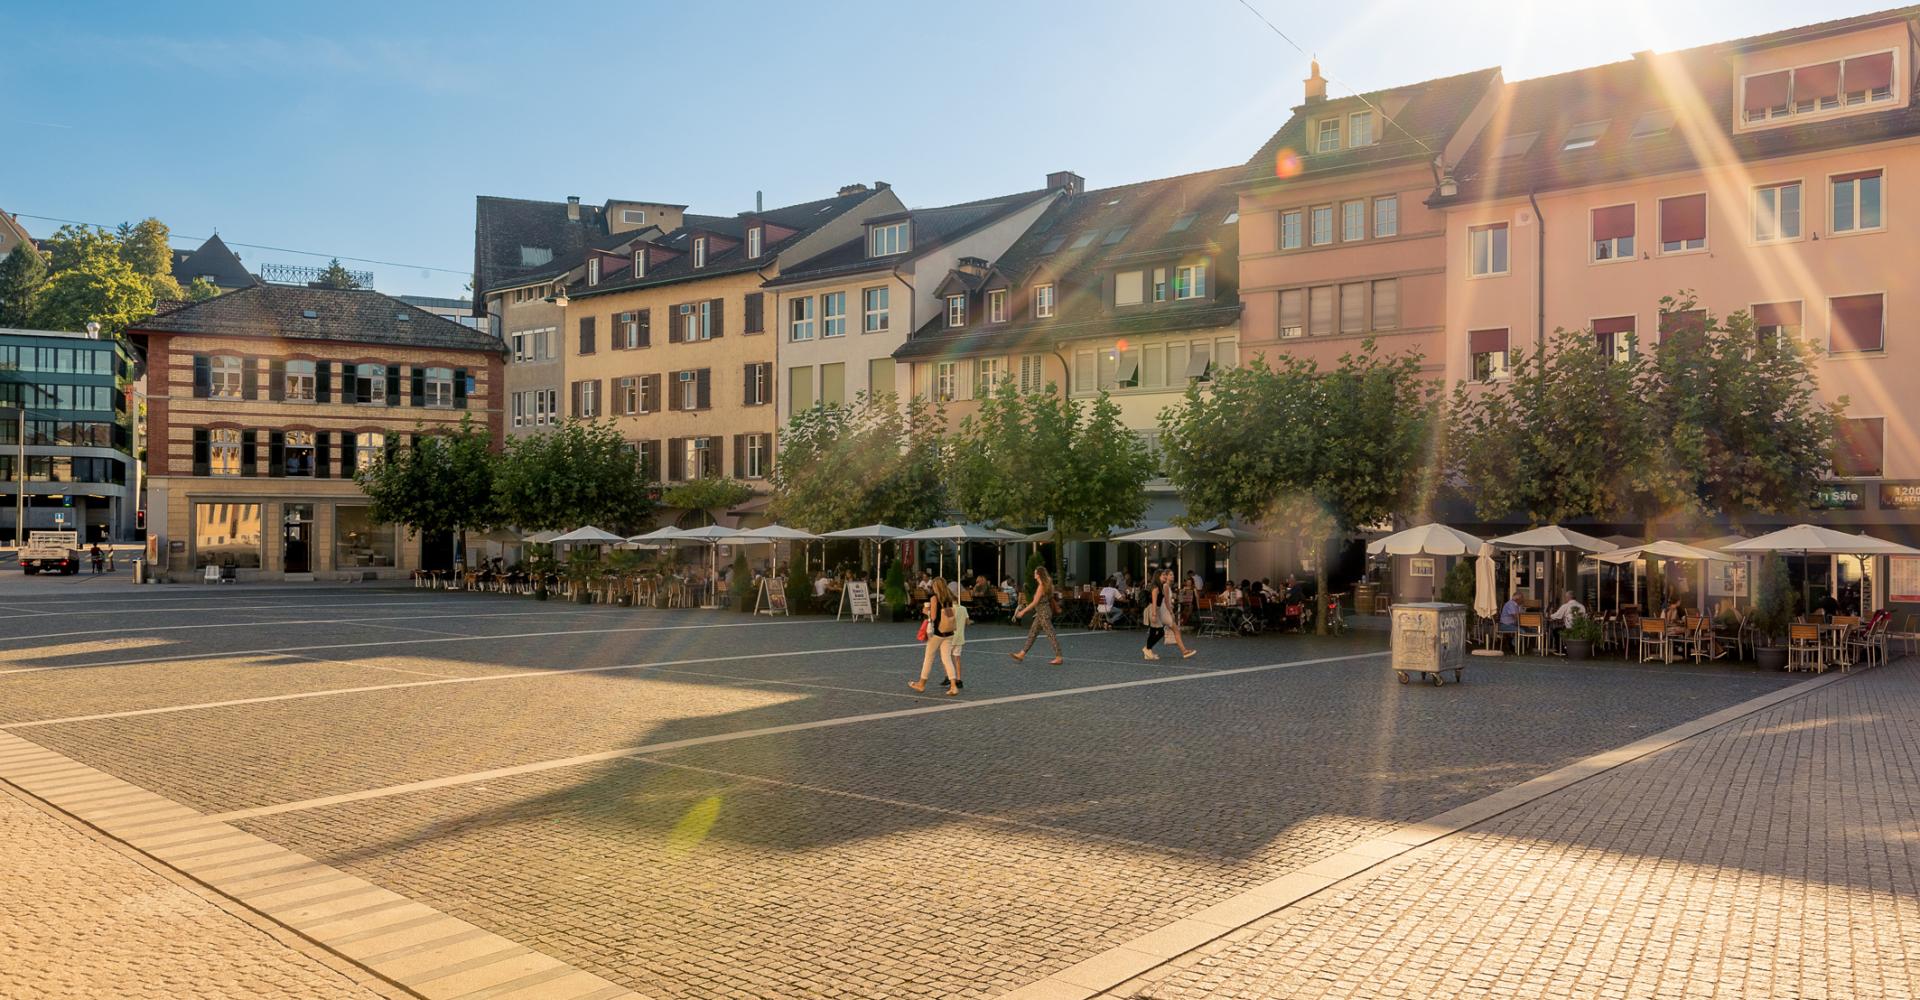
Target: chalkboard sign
(859,599)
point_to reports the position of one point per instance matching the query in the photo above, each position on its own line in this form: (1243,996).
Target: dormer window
(1328,136)
(699,251)
(1190,281)
(535,256)
(754,238)
(593,271)
(1817,88)
(1360,129)
(956,311)
(633,216)
(887,240)
(1181,223)
(640,263)
(1043,301)
(997,306)
(1583,136)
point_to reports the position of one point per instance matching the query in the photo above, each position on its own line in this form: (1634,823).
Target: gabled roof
(215,260)
(501,226)
(932,229)
(11,226)
(1422,113)
(802,219)
(1693,89)
(344,315)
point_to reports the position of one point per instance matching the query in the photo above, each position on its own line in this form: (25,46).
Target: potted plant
(742,584)
(1580,637)
(895,590)
(540,566)
(583,567)
(1773,610)
(799,591)
(1458,588)
(624,564)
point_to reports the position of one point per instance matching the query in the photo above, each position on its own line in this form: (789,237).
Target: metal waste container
(139,571)
(1430,640)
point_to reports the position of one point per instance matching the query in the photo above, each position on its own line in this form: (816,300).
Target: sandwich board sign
(856,599)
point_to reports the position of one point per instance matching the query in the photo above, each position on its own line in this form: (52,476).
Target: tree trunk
(460,557)
(1320,592)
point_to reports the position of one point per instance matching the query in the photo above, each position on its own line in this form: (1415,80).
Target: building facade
(263,402)
(78,434)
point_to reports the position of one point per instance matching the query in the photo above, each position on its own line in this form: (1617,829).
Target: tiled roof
(342,315)
(1621,94)
(803,218)
(215,259)
(932,228)
(1010,338)
(501,226)
(1424,117)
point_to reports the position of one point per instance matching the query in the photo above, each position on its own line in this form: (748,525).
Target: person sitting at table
(1232,596)
(1110,603)
(1510,616)
(1562,616)
(1673,613)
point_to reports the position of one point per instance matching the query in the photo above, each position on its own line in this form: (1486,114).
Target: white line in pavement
(177,658)
(370,666)
(257,623)
(238,607)
(795,727)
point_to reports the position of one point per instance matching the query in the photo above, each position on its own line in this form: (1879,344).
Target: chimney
(1316,85)
(848,189)
(975,266)
(759,199)
(882,186)
(1067,179)
(573,208)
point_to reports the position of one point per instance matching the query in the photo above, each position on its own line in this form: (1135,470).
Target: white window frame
(227,376)
(1627,347)
(1473,255)
(1043,300)
(1354,139)
(1298,231)
(946,381)
(1353,221)
(1799,218)
(1315,235)
(519,340)
(754,462)
(997,306)
(519,408)
(1322,135)
(1615,248)
(1497,371)
(299,384)
(627,216)
(593,270)
(626,395)
(832,323)
(1138,282)
(1780,335)
(1033,372)
(223,451)
(1660,238)
(762,382)
(956,311)
(369,449)
(887,240)
(754,239)
(688,384)
(376,393)
(439,388)
(876,307)
(1833,203)
(1190,281)
(1389,224)
(1886,324)
(988,373)
(699,251)
(800,327)
(1841,104)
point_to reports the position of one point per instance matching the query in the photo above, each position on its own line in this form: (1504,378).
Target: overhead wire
(1376,109)
(262,246)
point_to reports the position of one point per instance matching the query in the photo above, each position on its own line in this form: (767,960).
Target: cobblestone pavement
(912,846)
(1776,856)
(83,921)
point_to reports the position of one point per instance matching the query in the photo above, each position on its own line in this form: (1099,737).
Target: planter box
(1579,649)
(1771,657)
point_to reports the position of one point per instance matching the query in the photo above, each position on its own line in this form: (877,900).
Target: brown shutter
(1683,218)
(1857,323)
(676,460)
(739,456)
(250,377)
(1486,341)
(1874,72)
(746,385)
(716,456)
(573,399)
(719,317)
(672,384)
(276,380)
(586,335)
(673,324)
(1612,222)
(616,332)
(1776,314)
(754,320)
(705,382)
(1768,90)
(1613,325)
(1813,83)
(599,396)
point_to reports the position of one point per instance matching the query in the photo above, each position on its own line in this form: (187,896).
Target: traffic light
(139,520)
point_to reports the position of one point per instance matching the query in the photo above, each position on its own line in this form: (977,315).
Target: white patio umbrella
(956,534)
(587,534)
(1177,534)
(665,534)
(1426,540)
(1662,550)
(773,533)
(541,537)
(1235,534)
(878,534)
(711,536)
(1553,538)
(1814,540)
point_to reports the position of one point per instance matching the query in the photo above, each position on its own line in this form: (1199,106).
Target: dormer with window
(640,262)
(1864,80)
(699,252)
(756,242)
(593,271)
(889,237)
(956,311)
(1350,129)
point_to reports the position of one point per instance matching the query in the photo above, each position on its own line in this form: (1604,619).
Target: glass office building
(78,445)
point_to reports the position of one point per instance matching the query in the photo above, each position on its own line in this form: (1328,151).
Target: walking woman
(1042,608)
(1163,617)
(939,613)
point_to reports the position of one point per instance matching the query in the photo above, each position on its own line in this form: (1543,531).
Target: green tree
(91,281)
(1303,451)
(871,461)
(707,495)
(444,483)
(201,290)
(579,473)
(336,275)
(22,277)
(742,582)
(147,247)
(1026,459)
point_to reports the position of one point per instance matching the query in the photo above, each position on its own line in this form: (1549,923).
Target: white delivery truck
(51,552)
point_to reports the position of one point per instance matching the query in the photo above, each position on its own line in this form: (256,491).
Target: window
(1614,337)
(535,256)
(874,308)
(699,251)
(626,331)
(799,389)
(587,393)
(1033,373)
(988,373)
(833,384)
(1679,321)
(1320,311)
(1353,308)
(1613,233)
(687,389)
(296,454)
(1084,239)
(754,237)
(223,452)
(227,534)
(633,216)
(593,271)
(833,314)
(359,540)
(759,384)
(639,262)
(370,383)
(369,449)
(956,311)
(1859,323)
(439,386)
(1856,202)
(880,376)
(701,461)
(1386,216)
(1115,235)
(997,306)
(1190,281)
(1129,288)
(1860,447)
(1353,221)
(1322,225)
(519,408)
(1292,308)
(1653,123)
(626,395)
(1683,223)
(946,380)
(1515,145)
(227,377)
(1043,301)
(887,240)
(1488,352)
(1159,284)
(1386,304)
(299,381)
(1818,88)
(1776,212)
(1290,229)
(1200,363)
(1328,136)
(1780,322)
(800,318)
(1360,128)
(1584,136)
(1487,250)
(754,456)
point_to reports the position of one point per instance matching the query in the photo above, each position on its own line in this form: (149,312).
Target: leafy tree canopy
(201,290)
(443,483)
(336,275)
(22,276)
(1024,459)
(871,461)
(709,494)
(92,281)
(580,473)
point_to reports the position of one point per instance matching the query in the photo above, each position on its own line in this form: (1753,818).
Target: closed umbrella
(1486,597)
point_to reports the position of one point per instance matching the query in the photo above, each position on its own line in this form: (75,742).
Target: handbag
(1152,618)
(923,630)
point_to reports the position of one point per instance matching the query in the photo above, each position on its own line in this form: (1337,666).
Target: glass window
(946,380)
(1322,225)
(1159,284)
(755,460)
(1190,282)
(1613,231)
(699,251)
(223,451)
(359,540)
(439,387)
(227,534)
(997,306)
(299,381)
(369,449)
(1328,135)
(689,389)
(1488,352)
(1129,288)
(988,373)
(1779,321)
(1043,301)
(753,242)
(297,453)
(874,304)
(1386,304)
(226,377)
(1290,230)
(1776,212)
(1353,221)
(1856,202)
(956,311)
(1386,216)
(883,241)
(1033,373)
(1487,249)
(1683,223)
(370,383)
(800,318)
(833,314)
(1360,128)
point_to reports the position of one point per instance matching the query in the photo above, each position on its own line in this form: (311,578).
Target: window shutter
(250,378)
(1486,342)
(276,453)
(746,385)
(616,332)
(719,317)
(676,460)
(586,335)
(1612,222)
(1766,91)
(705,382)
(459,388)
(249,448)
(276,380)
(754,319)
(322,454)
(739,457)
(202,377)
(1777,314)
(673,324)
(417,387)
(1683,218)
(1857,323)
(573,399)
(349,383)
(393,385)
(323,381)
(650,459)
(201,457)
(646,328)
(766,456)
(599,397)
(349,454)
(1874,72)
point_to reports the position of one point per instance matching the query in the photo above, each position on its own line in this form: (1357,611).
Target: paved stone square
(706,804)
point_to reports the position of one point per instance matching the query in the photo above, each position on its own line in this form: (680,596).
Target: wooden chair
(1533,628)
(1630,631)
(1804,649)
(1870,643)
(1907,635)
(1655,641)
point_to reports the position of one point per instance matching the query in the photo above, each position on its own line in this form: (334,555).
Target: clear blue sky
(365,130)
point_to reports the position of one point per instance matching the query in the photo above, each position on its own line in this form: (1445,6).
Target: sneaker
(1150,654)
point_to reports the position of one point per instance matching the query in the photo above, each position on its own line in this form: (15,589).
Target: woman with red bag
(937,630)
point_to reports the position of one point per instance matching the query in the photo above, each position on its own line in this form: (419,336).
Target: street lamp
(93,329)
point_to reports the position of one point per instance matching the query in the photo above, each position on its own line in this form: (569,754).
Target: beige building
(672,337)
(264,401)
